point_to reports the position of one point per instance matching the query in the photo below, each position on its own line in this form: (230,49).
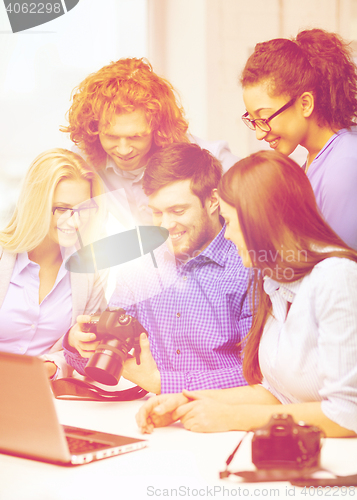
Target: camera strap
(72,388)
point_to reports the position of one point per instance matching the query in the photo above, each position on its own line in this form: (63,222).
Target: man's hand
(84,342)
(158,411)
(146,375)
(204,414)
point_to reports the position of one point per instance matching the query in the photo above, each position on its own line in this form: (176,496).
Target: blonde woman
(39,298)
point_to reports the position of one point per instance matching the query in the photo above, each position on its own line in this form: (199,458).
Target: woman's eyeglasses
(84,211)
(263,123)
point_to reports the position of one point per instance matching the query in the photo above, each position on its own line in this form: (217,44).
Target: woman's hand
(158,411)
(84,342)
(204,414)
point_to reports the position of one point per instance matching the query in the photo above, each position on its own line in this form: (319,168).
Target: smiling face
(127,139)
(191,226)
(233,231)
(288,129)
(69,194)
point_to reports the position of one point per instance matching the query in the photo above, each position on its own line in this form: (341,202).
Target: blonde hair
(30,222)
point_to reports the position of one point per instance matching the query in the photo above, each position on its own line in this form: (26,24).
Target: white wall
(39,69)
(201,46)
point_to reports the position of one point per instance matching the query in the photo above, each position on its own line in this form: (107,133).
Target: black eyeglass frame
(252,124)
(93,205)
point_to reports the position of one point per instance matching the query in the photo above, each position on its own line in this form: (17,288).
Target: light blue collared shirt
(27,327)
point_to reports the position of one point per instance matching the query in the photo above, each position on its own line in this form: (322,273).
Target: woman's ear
(307,103)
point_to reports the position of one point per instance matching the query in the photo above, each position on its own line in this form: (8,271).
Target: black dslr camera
(118,334)
(283,444)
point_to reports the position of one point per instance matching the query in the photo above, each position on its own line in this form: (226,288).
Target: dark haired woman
(304,91)
(302,348)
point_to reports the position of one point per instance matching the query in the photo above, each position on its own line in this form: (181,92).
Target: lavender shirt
(333,176)
(27,327)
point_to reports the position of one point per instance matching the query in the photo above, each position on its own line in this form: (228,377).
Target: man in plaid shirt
(194,306)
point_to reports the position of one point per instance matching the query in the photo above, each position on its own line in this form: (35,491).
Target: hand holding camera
(106,340)
(85,342)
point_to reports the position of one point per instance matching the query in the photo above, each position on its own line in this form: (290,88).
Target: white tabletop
(176,464)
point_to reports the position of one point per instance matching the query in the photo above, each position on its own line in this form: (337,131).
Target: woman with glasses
(39,298)
(304,91)
(301,350)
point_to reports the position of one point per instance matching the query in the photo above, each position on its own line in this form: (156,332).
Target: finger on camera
(82,320)
(86,337)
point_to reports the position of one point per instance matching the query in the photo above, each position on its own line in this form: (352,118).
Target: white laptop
(29,425)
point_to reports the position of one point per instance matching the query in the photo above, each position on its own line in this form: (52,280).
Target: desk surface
(185,464)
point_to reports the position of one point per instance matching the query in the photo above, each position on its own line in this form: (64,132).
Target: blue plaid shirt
(195,314)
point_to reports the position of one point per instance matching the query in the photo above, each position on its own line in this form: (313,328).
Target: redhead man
(120,116)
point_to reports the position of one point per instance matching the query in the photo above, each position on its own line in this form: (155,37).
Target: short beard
(205,237)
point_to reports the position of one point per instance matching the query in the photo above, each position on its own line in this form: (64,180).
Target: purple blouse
(333,176)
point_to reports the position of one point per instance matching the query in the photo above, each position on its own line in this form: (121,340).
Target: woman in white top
(39,298)
(302,348)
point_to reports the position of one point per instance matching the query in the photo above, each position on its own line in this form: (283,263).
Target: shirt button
(178,351)
(178,315)
(32,326)
(184,278)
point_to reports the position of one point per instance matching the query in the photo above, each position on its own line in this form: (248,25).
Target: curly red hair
(124,86)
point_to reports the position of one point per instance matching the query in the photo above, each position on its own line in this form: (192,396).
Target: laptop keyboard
(77,446)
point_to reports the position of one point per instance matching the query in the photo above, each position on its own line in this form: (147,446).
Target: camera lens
(106,364)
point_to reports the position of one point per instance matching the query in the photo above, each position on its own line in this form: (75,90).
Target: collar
(287,290)
(134,175)
(216,251)
(340,132)
(22,262)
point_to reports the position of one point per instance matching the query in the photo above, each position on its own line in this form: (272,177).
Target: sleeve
(72,357)
(339,204)
(223,378)
(97,301)
(336,314)
(58,358)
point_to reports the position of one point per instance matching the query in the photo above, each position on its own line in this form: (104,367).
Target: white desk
(174,459)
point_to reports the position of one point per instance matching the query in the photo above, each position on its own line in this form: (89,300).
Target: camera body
(118,333)
(283,444)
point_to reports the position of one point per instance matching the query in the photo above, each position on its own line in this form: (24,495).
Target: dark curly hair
(315,61)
